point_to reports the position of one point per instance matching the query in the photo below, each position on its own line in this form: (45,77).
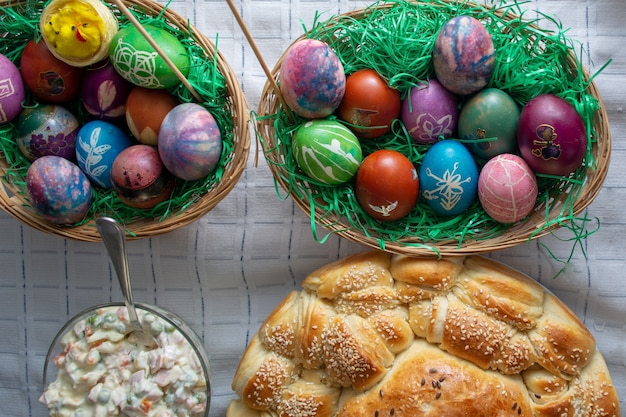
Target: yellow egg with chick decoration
(78,32)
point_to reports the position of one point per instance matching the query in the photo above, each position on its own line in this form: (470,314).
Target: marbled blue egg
(448,178)
(97,145)
(58,190)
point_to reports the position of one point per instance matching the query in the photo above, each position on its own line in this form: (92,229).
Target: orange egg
(145,110)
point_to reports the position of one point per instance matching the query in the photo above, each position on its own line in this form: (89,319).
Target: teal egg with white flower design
(326,151)
(97,145)
(448,178)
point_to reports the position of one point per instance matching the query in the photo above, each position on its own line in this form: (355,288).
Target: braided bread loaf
(380,335)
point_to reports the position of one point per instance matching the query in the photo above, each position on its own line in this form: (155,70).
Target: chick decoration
(78,32)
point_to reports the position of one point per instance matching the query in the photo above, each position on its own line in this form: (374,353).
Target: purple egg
(551,135)
(47,130)
(104,92)
(430,112)
(312,79)
(464,55)
(190,142)
(58,190)
(12,91)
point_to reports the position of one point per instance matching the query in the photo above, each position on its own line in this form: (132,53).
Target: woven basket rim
(16,206)
(517,234)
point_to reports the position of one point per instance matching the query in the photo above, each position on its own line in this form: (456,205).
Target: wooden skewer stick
(157,48)
(259,57)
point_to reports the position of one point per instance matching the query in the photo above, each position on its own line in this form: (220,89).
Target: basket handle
(157,48)
(268,73)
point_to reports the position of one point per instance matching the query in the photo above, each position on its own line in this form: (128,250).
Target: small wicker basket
(198,202)
(546,217)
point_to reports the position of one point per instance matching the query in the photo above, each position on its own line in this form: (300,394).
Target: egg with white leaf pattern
(97,145)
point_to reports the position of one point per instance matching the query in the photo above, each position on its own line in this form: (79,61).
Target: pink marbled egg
(430,112)
(507,188)
(312,79)
(464,55)
(190,142)
(58,190)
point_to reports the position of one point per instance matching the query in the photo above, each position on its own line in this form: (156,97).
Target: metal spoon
(114,239)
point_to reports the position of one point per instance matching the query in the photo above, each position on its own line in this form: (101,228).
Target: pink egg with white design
(12,91)
(507,188)
(104,92)
(430,112)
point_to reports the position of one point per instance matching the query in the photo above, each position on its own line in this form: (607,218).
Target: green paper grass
(396,39)
(19,23)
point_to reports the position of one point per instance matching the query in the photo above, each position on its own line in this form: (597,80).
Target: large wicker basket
(546,218)
(199,202)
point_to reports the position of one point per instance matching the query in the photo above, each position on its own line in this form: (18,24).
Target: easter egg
(12,91)
(190,142)
(47,77)
(145,110)
(326,151)
(58,190)
(448,178)
(138,62)
(507,188)
(551,135)
(369,104)
(386,185)
(104,92)
(49,129)
(463,55)
(312,79)
(139,178)
(97,145)
(430,112)
(489,121)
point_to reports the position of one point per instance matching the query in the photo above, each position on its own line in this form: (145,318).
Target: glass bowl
(98,365)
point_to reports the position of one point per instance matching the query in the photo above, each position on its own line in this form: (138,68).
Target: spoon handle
(114,240)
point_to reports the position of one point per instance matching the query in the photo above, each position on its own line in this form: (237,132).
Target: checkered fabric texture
(226,272)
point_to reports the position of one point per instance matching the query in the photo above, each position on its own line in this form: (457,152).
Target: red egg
(369,104)
(430,112)
(145,110)
(551,136)
(104,92)
(49,78)
(139,178)
(387,186)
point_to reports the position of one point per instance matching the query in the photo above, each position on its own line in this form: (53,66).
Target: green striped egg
(327,151)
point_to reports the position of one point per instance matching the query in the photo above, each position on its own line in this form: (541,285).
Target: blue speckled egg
(464,55)
(97,145)
(190,142)
(46,130)
(58,190)
(448,178)
(312,79)
(489,121)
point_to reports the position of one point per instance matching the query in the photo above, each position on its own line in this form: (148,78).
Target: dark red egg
(369,104)
(387,186)
(139,178)
(551,136)
(47,77)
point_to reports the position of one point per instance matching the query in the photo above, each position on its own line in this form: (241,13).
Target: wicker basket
(12,195)
(539,223)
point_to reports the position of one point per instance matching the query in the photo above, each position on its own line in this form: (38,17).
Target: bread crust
(377,334)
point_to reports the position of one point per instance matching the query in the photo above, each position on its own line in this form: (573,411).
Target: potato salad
(107,370)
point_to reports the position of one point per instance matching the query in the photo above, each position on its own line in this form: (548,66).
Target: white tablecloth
(225,273)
